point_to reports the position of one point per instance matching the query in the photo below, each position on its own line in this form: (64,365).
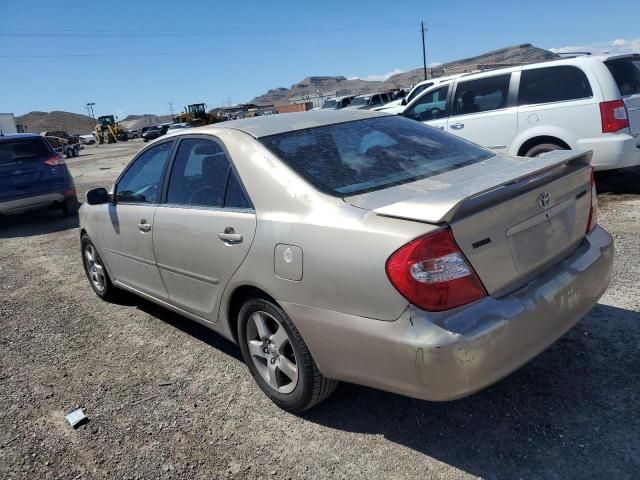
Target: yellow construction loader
(109,131)
(196,115)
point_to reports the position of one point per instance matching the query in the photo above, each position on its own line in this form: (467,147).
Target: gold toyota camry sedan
(354,246)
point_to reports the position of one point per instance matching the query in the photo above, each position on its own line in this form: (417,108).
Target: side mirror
(97,196)
(403,102)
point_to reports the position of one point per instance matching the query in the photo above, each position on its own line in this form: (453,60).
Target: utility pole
(424,52)
(171,109)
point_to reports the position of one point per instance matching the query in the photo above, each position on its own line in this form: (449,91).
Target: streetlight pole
(90,106)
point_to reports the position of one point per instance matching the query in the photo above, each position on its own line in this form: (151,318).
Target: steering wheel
(198,190)
(435,111)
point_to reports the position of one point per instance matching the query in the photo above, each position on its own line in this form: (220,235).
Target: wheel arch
(238,296)
(543,134)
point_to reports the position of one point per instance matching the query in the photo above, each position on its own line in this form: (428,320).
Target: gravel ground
(167,398)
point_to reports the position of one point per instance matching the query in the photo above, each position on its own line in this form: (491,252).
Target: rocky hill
(514,55)
(73,123)
(144,120)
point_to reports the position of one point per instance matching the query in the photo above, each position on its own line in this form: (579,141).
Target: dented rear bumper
(452,354)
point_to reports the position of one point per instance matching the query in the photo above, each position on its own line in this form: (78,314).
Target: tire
(274,352)
(70,206)
(99,278)
(543,148)
(76,151)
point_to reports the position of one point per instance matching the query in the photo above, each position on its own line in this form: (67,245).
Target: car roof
(17,136)
(264,126)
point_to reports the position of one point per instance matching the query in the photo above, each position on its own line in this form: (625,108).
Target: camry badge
(543,199)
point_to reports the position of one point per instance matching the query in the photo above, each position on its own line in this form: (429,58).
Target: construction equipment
(109,131)
(196,115)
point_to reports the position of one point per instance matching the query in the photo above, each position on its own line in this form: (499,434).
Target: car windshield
(360,101)
(365,155)
(330,103)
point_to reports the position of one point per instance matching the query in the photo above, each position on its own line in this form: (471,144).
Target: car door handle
(230,236)
(457,126)
(143,226)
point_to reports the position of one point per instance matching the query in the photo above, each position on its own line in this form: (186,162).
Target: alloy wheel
(95,269)
(271,351)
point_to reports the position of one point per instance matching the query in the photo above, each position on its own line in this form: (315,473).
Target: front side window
(482,95)
(141,182)
(430,106)
(365,155)
(553,84)
(416,91)
(626,73)
(202,176)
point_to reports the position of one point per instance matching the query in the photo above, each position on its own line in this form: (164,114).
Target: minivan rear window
(626,73)
(365,155)
(553,84)
(14,151)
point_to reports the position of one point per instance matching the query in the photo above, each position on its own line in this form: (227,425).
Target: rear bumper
(453,354)
(30,203)
(618,150)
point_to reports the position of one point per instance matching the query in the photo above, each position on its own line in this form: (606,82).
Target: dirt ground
(167,398)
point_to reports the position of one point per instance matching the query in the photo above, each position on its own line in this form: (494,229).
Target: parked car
(354,246)
(87,139)
(337,103)
(581,103)
(34,176)
(397,105)
(178,126)
(368,101)
(134,133)
(154,132)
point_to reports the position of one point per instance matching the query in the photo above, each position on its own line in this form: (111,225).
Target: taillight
(57,159)
(593,212)
(614,116)
(433,274)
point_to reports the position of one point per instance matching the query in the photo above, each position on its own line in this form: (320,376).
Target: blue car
(34,176)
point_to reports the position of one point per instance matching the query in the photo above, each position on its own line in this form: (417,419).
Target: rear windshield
(626,73)
(14,151)
(365,155)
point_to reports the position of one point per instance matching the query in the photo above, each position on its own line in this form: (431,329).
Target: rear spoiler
(437,199)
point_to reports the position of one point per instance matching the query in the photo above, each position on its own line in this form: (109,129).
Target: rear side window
(202,176)
(482,95)
(23,151)
(365,155)
(553,84)
(626,73)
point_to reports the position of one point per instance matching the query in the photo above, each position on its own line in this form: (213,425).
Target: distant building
(8,123)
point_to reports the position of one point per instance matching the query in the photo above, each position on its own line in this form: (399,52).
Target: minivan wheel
(542,149)
(278,358)
(96,272)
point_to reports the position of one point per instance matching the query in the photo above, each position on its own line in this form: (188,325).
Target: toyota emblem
(543,199)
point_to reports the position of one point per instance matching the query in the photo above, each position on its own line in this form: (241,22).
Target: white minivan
(579,103)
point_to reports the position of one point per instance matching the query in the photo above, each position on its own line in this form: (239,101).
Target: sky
(133,57)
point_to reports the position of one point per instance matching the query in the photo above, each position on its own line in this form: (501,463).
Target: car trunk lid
(510,216)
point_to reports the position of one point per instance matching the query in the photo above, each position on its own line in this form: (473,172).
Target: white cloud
(378,77)
(619,45)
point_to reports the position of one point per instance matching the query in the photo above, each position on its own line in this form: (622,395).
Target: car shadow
(183,324)
(39,222)
(570,413)
(625,181)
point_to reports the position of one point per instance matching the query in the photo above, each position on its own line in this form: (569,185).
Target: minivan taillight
(593,212)
(433,273)
(57,159)
(614,116)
